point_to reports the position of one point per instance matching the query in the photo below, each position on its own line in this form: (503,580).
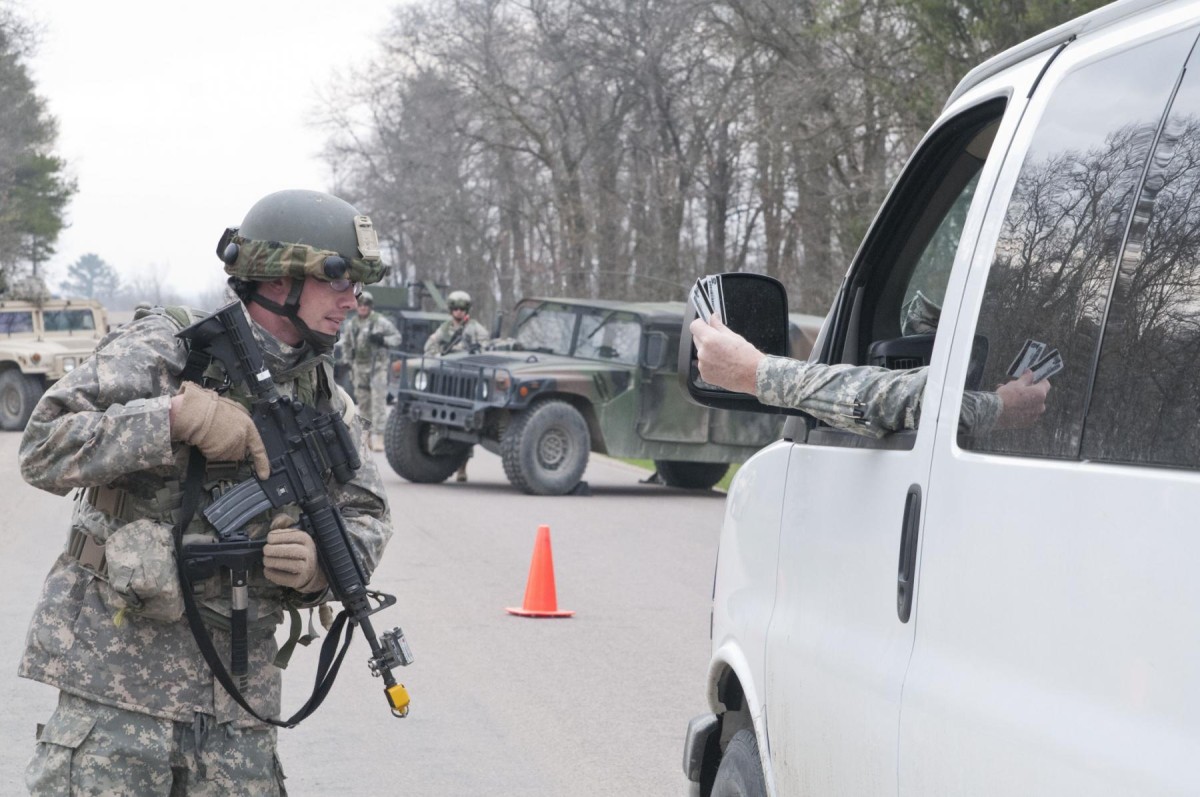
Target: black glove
(376,338)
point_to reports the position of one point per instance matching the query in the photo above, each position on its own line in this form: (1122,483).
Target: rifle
(448,345)
(302,445)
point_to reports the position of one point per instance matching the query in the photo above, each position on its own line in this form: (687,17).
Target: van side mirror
(654,354)
(756,308)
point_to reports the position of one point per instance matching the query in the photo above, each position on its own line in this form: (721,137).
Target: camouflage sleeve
(979,414)
(433,346)
(346,342)
(364,506)
(109,417)
(866,400)
(391,335)
(481,333)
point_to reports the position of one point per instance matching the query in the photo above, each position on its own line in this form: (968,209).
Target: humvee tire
(690,475)
(545,448)
(406,444)
(19,393)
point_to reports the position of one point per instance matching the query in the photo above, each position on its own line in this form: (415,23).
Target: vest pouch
(141,573)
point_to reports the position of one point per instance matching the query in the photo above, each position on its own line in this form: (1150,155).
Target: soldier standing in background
(460,332)
(139,710)
(368,338)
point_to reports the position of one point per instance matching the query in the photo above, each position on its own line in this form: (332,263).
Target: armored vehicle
(40,341)
(574,376)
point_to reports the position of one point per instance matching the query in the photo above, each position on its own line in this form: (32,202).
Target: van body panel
(837,650)
(1049,649)
(747,566)
(1047,660)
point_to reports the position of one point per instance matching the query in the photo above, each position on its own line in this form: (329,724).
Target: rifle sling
(448,345)
(328,664)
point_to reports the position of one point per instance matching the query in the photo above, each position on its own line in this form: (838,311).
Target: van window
(1064,229)
(1145,405)
(891,304)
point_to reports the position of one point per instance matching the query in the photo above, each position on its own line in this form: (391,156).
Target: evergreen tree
(90,277)
(34,188)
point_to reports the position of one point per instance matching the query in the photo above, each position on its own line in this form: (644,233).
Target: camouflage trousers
(370,393)
(91,749)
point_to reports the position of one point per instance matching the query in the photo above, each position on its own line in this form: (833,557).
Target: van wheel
(418,452)
(19,393)
(690,475)
(740,773)
(545,449)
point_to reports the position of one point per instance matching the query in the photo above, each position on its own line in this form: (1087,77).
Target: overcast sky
(176,117)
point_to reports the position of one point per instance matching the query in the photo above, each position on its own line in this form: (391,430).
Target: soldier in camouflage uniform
(366,339)
(458,333)
(139,711)
(867,400)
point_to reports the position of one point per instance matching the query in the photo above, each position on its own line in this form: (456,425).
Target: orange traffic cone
(540,598)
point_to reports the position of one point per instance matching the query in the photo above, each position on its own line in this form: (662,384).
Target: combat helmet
(298,233)
(366,299)
(459,300)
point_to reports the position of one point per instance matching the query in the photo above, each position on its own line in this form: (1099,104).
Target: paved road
(591,705)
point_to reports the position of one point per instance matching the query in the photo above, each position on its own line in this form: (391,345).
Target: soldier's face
(364,310)
(459,313)
(322,308)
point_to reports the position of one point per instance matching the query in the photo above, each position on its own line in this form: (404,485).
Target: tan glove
(290,558)
(219,427)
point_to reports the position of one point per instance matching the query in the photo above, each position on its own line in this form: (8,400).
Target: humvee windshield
(68,320)
(13,322)
(591,333)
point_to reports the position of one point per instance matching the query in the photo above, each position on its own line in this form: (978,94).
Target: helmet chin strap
(290,309)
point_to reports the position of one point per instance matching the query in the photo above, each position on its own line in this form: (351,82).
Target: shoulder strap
(181,317)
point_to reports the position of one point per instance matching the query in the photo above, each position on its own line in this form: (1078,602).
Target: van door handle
(909,531)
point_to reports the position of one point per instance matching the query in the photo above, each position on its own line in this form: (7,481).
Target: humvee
(573,376)
(40,341)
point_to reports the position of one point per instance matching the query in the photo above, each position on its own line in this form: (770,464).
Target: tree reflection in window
(1052,271)
(1145,405)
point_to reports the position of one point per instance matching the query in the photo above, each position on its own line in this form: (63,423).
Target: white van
(957,611)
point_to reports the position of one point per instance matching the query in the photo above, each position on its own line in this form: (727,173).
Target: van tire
(690,475)
(545,449)
(19,394)
(740,773)
(406,445)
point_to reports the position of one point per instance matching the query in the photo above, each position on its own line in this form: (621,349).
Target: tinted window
(549,327)
(1145,405)
(13,322)
(1053,267)
(609,335)
(68,320)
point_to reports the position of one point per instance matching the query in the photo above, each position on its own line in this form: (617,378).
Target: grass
(648,464)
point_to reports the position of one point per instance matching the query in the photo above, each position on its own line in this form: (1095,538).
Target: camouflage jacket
(103,430)
(473,336)
(863,399)
(357,347)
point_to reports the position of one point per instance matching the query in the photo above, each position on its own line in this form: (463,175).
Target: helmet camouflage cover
(298,233)
(458,299)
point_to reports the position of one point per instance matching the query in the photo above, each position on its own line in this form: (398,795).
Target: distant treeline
(620,148)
